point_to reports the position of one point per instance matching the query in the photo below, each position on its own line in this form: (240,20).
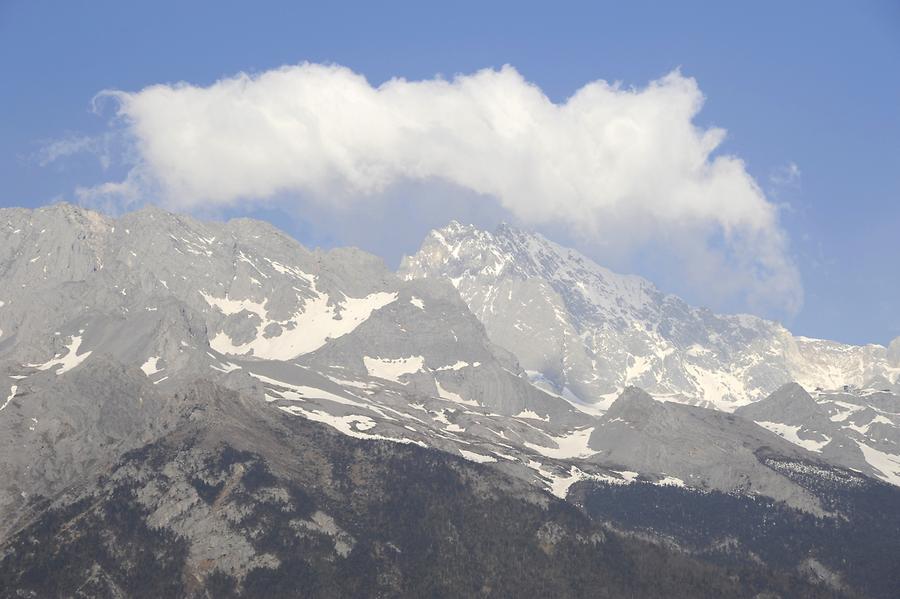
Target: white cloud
(788,175)
(627,166)
(102,147)
(62,148)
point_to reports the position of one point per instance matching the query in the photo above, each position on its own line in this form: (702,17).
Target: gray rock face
(57,430)
(102,315)
(858,429)
(242,500)
(586,333)
(105,322)
(687,444)
(161,284)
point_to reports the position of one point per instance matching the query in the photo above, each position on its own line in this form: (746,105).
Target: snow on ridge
(12,394)
(556,484)
(887,464)
(476,457)
(68,361)
(571,445)
(351,425)
(225,367)
(391,369)
(615,329)
(526,413)
(789,433)
(294,392)
(459,365)
(670,481)
(845,410)
(305,331)
(451,396)
(559,485)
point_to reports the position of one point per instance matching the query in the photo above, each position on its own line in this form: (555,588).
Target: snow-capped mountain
(586,333)
(155,330)
(157,301)
(858,429)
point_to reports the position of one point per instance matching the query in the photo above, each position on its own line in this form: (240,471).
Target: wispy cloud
(624,165)
(788,175)
(103,147)
(61,148)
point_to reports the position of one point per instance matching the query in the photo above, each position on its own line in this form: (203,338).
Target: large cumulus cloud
(622,166)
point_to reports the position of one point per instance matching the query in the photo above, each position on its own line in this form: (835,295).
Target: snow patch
(864,429)
(418,303)
(637,368)
(526,413)
(628,477)
(789,433)
(355,384)
(670,481)
(459,365)
(312,326)
(225,367)
(888,465)
(559,484)
(572,445)
(539,381)
(391,369)
(151,366)
(846,410)
(351,425)
(68,361)
(12,394)
(476,457)
(505,456)
(304,392)
(441,417)
(722,389)
(451,396)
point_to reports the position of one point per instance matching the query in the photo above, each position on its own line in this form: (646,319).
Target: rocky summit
(209,409)
(586,333)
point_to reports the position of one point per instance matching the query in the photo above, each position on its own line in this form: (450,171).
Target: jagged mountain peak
(525,252)
(789,403)
(526,314)
(587,332)
(219,338)
(479,262)
(794,392)
(633,405)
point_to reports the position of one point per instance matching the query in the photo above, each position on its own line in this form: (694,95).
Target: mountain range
(212,409)
(585,332)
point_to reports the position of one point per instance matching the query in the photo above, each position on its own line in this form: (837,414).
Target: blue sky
(811,84)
